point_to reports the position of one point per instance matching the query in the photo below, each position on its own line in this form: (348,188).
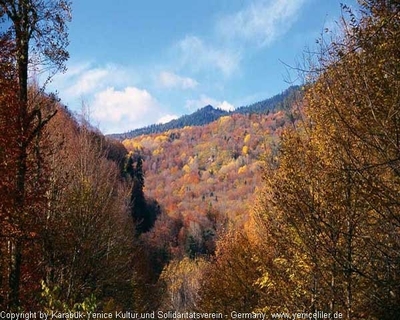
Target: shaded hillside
(277,102)
(209,114)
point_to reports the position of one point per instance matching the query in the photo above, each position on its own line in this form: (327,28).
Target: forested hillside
(204,165)
(293,213)
(213,169)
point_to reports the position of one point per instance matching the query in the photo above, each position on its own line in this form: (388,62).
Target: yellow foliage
(247,138)
(224,120)
(156,152)
(160,139)
(186,168)
(131,144)
(242,169)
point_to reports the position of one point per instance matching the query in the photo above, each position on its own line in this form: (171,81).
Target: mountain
(200,117)
(209,114)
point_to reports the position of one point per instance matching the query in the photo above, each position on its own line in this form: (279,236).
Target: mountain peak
(208,107)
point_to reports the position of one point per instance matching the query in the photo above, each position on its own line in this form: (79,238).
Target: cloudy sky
(136,62)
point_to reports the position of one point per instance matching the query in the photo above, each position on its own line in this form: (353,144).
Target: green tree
(144,212)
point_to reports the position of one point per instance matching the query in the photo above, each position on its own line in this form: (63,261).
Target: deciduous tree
(37,29)
(335,186)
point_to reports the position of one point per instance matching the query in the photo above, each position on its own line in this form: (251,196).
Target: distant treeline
(209,114)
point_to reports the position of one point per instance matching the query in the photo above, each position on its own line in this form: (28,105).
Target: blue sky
(134,63)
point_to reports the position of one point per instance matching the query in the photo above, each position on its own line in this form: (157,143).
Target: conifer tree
(144,213)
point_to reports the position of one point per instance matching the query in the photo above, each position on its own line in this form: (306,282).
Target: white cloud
(88,81)
(84,79)
(167,118)
(197,55)
(226,106)
(124,110)
(204,100)
(172,80)
(262,21)
(115,103)
(75,69)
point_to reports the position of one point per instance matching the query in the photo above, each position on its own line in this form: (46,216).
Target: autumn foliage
(327,217)
(296,210)
(216,167)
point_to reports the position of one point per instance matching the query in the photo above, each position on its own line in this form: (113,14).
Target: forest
(293,213)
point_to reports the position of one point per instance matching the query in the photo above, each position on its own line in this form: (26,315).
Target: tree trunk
(15,272)
(15,245)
